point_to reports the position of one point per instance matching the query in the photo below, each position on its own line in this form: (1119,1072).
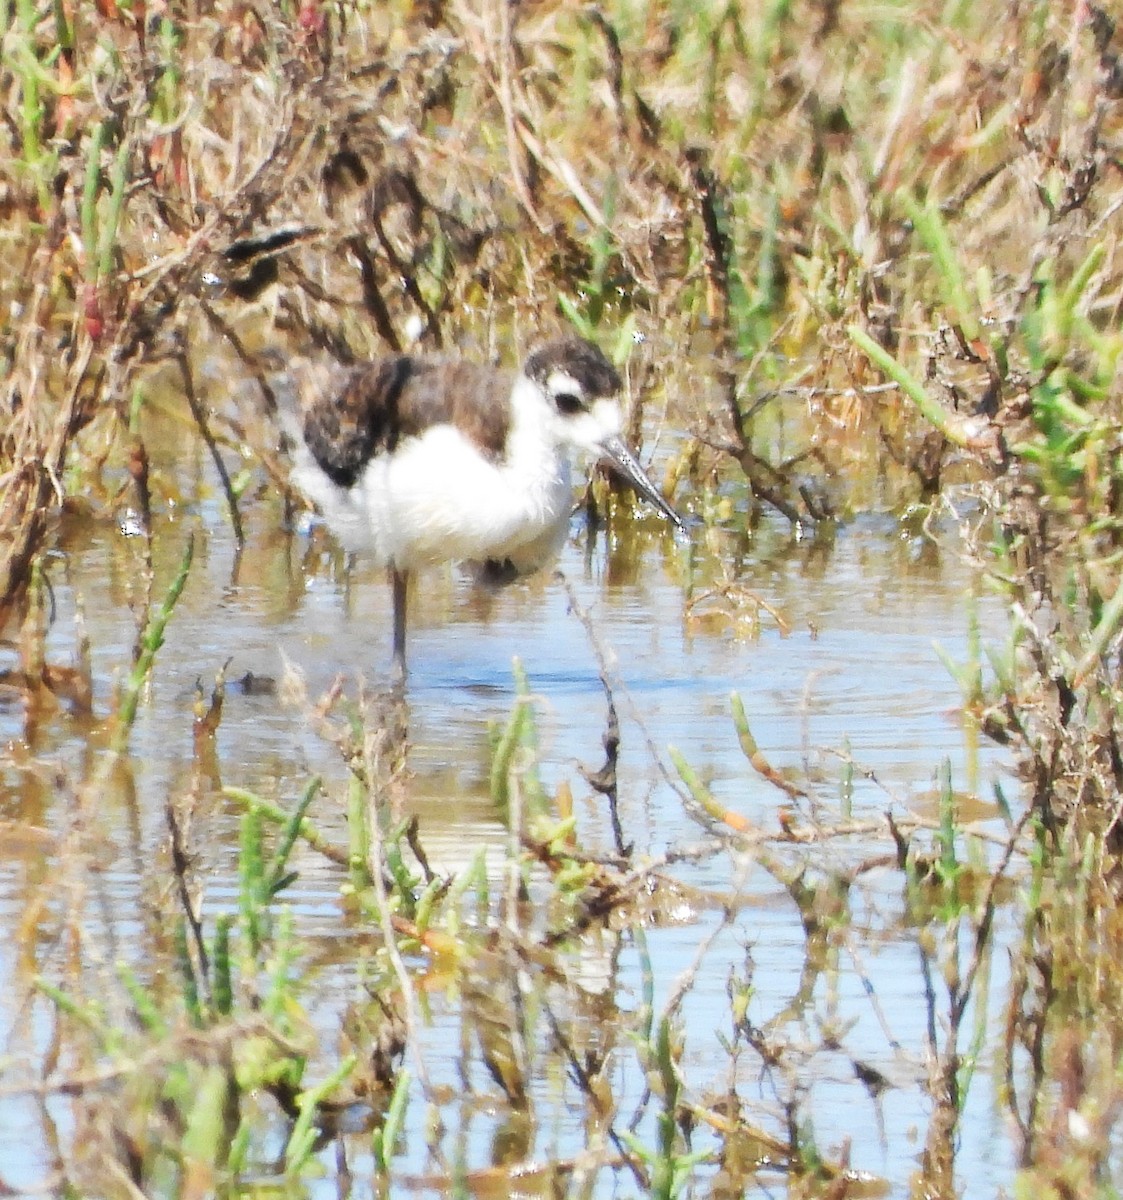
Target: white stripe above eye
(560,382)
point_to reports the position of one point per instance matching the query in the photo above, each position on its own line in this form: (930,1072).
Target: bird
(416,460)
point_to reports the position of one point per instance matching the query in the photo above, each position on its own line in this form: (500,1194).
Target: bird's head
(580,388)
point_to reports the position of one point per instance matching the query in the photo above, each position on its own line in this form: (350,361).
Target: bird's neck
(533,449)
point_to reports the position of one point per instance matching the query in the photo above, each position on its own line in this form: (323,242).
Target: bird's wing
(349,416)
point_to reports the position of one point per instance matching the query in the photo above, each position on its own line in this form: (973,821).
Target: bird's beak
(623,460)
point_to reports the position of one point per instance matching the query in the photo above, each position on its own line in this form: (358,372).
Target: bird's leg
(399,581)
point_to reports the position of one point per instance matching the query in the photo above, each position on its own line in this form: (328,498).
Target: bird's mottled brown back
(383,402)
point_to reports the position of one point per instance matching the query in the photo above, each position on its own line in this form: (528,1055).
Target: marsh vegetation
(595,925)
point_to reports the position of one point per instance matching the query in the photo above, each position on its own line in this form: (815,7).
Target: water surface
(852,679)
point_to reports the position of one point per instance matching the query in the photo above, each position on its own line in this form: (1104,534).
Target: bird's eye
(568,404)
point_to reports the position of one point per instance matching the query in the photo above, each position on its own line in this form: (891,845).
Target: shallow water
(856,675)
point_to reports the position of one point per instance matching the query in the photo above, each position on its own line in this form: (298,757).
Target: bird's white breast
(437,498)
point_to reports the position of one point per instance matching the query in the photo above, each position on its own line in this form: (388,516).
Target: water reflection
(851,673)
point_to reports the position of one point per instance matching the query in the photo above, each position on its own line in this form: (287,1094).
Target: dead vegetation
(346,180)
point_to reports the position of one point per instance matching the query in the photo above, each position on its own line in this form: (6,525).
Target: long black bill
(622,459)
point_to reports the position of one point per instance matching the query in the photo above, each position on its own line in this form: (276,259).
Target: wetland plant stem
(204,429)
(279,816)
(955,429)
(150,641)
